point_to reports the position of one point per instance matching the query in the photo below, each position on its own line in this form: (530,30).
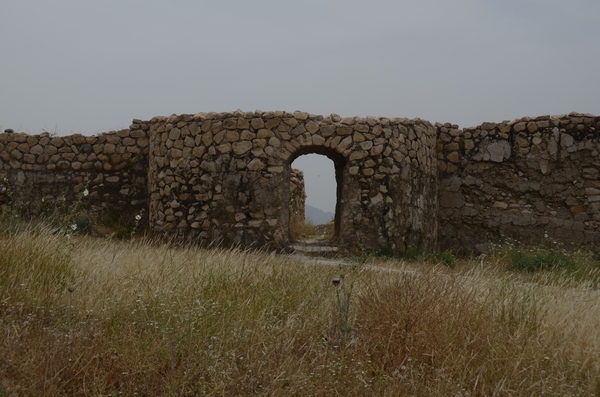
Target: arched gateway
(226,177)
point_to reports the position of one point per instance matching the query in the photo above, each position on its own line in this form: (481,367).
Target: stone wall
(297,198)
(226,177)
(531,179)
(41,172)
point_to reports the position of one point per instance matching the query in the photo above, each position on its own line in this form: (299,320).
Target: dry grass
(327,231)
(302,230)
(147,320)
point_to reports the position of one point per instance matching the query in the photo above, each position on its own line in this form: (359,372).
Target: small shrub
(445,258)
(66,216)
(536,261)
(300,230)
(8,209)
(385,252)
(122,228)
(411,253)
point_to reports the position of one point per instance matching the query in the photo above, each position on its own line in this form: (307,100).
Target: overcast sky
(77,66)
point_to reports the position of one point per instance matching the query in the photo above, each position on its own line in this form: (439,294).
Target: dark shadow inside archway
(339,164)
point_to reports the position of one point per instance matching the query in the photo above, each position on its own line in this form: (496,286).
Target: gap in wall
(321,194)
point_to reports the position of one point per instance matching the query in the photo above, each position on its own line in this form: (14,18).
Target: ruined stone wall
(531,179)
(226,177)
(297,198)
(40,173)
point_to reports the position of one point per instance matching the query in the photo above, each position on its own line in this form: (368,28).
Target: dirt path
(318,252)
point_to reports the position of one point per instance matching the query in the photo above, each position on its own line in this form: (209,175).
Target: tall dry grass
(84,316)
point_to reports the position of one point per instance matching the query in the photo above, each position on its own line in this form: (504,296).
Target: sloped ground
(89,316)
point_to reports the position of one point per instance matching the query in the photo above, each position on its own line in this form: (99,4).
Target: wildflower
(73,227)
(86,192)
(138,217)
(43,199)
(336,281)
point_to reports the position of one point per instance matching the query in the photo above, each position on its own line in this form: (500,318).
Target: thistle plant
(342,307)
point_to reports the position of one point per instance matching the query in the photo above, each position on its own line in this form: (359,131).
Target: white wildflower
(86,192)
(138,217)
(73,227)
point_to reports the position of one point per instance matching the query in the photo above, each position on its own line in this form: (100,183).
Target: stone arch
(223,177)
(340,164)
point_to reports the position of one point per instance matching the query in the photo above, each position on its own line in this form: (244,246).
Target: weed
(411,253)
(342,309)
(8,210)
(73,220)
(303,230)
(445,258)
(359,258)
(87,316)
(536,261)
(135,227)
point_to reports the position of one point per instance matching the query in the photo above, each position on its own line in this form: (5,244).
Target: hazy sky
(71,66)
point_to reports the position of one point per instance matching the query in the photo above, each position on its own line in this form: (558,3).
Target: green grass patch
(445,258)
(537,261)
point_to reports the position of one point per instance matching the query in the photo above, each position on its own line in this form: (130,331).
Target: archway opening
(316,216)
